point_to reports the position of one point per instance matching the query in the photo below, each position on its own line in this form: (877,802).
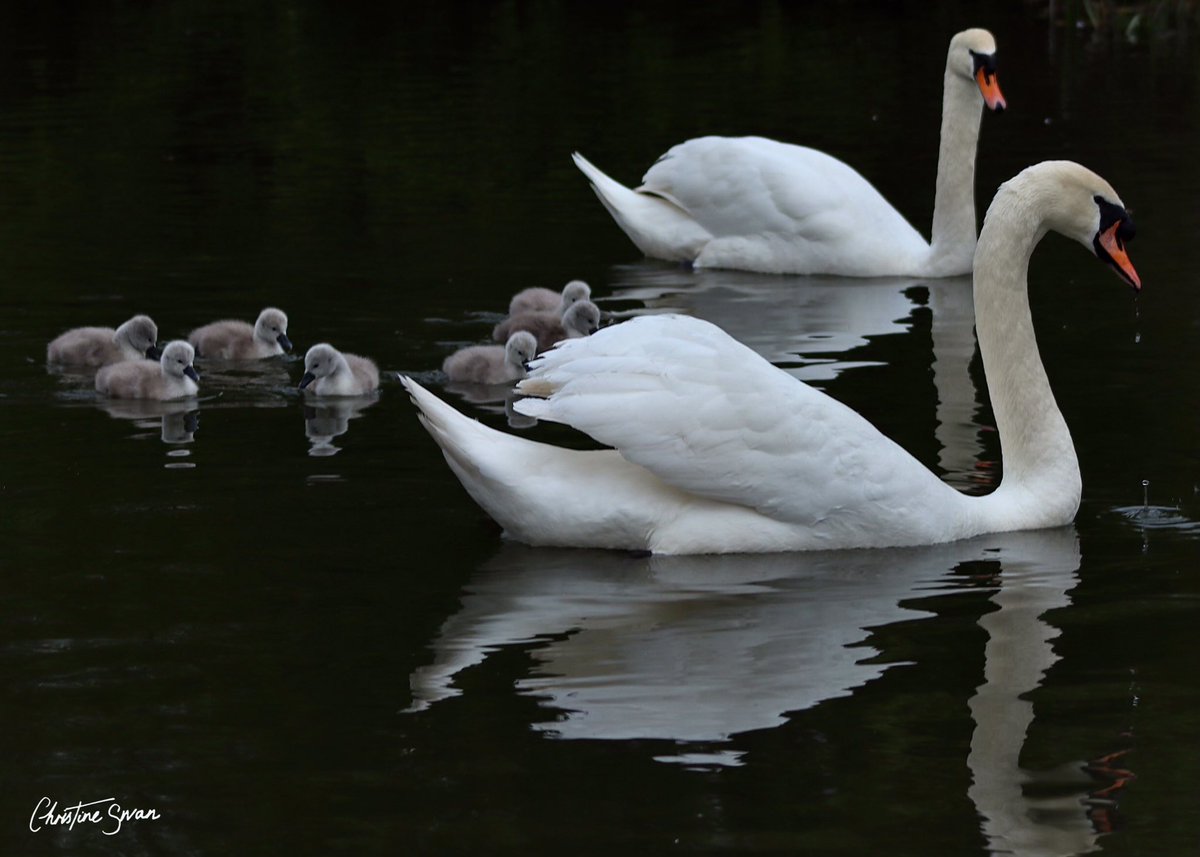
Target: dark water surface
(291,632)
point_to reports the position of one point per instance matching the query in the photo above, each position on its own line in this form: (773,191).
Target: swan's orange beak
(1117,257)
(989,87)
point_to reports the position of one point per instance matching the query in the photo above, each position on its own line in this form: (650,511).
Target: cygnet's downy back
(538,299)
(329,372)
(173,377)
(135,339)
(582,318)
(492,364)
(231,339)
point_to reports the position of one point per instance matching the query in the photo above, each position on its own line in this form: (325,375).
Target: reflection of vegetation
(1131,20)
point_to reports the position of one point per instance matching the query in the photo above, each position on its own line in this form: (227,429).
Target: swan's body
(581,318)
(492,364)
(539,299)
(173,377)
(716,450)
(98,346)
(759,205)
(329,372)
(237,340)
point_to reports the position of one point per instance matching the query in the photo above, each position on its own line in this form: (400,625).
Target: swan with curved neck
(716,451)
(755,204)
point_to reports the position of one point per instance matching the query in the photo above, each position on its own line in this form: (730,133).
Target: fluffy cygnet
(99,346)
(582,318)
(237,340)
(173,377)
(538,299)
(492,364)
(329,372)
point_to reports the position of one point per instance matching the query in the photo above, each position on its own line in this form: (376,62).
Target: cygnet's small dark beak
(308,378)
(153,352)
(284,342)
(525,364)
(190,371)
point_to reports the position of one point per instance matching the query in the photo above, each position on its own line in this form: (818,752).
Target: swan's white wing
(755,186)
(678,396)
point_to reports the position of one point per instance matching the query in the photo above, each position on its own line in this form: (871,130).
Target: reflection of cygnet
(492,364)
(329,372)
(538,299)
(582,318)
(237,340)
(172,378)
(99,346)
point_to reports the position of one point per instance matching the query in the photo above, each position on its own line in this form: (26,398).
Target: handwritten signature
(106,812)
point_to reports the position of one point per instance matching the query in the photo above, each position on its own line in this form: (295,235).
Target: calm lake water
(289,631)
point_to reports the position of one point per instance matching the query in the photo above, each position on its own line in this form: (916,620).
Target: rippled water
(286,629)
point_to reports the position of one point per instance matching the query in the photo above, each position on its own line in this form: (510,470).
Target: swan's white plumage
(716,450)
(760,205)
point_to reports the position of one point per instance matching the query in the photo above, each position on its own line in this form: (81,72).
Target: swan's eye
(985,63)
(1110,214)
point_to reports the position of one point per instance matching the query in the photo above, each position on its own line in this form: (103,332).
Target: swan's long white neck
(1041,482)
(952,238)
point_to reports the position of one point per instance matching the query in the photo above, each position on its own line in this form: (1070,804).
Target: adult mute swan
(231,339)
(718,451)
(759,205)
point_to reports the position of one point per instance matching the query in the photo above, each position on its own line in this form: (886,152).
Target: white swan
(716,450)
(538,299)
(231,339)
(98,346)
(173,377)
(492,364)
(329,372)
(759,205)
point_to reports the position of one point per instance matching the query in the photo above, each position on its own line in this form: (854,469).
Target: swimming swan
(98,346)
(237,340)
(329,372)
(718,451)
(581,318)
(173,377)
(759,205)
(538,299)
(492,364)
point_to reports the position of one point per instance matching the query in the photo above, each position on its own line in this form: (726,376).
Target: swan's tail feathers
(659,228)
(500,471)
(463,441)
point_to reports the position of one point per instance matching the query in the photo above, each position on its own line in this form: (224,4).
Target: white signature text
(107,813)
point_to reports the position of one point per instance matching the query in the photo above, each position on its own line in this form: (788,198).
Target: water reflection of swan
(808,325)
(698,649)
(177,421)
(329,419)
(1020,818)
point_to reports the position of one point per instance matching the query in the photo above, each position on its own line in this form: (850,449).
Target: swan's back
(708,416)
(760,197)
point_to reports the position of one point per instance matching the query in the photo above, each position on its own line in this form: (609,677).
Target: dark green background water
(294,653)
